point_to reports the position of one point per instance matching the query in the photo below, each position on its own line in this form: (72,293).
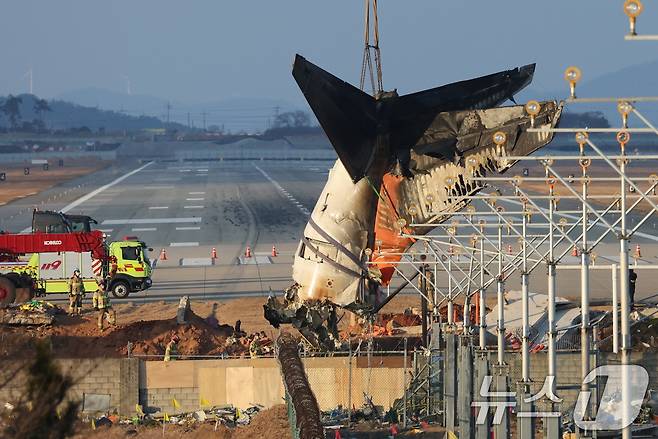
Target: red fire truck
(41,263)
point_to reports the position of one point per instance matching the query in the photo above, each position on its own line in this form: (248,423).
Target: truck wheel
(120,289)
(7,291)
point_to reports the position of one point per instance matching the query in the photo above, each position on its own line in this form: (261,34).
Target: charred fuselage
(400,157)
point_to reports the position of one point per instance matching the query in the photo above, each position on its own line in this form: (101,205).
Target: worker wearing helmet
(102,304)
(172,348)
(114,266)
(76,293)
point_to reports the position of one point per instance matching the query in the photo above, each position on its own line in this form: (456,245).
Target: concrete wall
(112,379)
(129,381)
(245,382)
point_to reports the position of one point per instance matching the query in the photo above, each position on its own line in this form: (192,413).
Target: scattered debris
(34,312)
(184,311)
(226,422)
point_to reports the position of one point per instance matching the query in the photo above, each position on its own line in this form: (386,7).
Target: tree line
(11,108)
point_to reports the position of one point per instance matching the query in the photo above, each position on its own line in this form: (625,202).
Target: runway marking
(189,228)
(184,244)
(193,207)
(184,170)
(299,205)
(202,170)
(196,262)
(111,222)
(194,199)
(158,207)
(255,260)
(144,229)
(95,192)
(196,193)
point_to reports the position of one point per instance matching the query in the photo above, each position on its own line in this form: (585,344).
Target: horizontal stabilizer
(360,126)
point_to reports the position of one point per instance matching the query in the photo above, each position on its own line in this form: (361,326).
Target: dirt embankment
(150,326)
(79,337)
(18,185)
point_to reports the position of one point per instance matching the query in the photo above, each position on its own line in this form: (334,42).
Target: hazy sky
(205,50)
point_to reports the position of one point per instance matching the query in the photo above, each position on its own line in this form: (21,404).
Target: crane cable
(366,64)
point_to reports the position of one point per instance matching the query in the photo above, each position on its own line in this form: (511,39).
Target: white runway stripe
(144,229)
(196,193)
(158,207)
(192,207)
(95,192)
(189,228)
(194,199)
(299,205)
(111,222)
(184,244)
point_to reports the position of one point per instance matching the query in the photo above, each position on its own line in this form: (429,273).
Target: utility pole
(168,110)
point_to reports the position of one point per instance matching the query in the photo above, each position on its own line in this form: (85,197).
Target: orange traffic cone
(247,252)
(574,252)
(213,254)
(163,255)
(638,253)
(274,252)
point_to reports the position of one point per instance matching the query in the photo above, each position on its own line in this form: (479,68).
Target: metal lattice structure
(583,198)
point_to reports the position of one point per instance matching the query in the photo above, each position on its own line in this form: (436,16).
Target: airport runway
(189,208)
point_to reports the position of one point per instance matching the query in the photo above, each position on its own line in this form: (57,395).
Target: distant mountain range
(234,114)
(66,116)
(97,108)
(632,81)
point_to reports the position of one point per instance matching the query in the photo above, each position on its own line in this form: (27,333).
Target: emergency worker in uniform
(171,351)
(76,293)
(102,304)
(114,266)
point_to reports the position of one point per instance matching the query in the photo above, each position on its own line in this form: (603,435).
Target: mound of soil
(79,337)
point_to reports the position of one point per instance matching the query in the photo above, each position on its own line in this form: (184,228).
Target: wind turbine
(127,79)
(28,74)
